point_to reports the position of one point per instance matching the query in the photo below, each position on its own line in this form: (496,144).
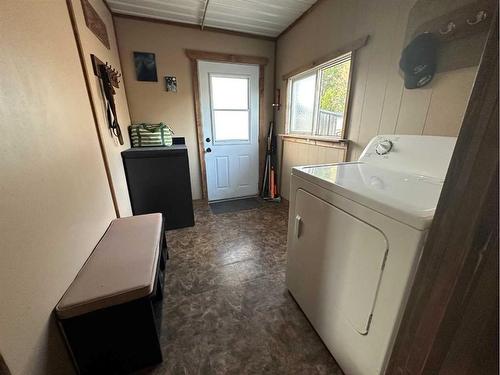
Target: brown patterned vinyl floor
(226,308)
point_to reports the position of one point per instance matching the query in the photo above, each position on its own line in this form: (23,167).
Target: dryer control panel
(383,147)
(415,154)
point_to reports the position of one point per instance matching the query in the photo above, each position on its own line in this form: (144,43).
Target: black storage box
(158,181)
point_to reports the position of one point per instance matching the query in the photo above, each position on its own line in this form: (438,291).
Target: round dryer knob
(383,147)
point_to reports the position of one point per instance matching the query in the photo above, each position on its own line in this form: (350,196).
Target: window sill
(315,138)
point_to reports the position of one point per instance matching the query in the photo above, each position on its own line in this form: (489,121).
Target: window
(230,108)
(318,99)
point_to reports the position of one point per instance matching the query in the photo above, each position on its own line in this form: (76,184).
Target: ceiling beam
(204,14)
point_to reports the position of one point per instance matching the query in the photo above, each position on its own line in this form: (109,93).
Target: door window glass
(230,108)
(231,125)
(229,93)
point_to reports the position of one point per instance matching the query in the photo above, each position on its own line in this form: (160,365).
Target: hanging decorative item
(108,78)
(145,66)
(171,84)
(95,23)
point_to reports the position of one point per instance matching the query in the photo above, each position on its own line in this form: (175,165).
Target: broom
(269,182)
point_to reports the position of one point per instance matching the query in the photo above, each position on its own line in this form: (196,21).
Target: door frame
(194,56)
(450,324)
(232,166)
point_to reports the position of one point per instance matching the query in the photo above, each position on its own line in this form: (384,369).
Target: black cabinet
(158,181)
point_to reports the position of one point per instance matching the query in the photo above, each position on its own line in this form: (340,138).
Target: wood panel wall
(379,103)
(298,152)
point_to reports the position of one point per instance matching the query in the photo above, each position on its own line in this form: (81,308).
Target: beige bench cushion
(121,268)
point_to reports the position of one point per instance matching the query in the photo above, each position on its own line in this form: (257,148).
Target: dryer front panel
(335,264)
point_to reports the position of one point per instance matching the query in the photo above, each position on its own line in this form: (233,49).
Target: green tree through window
(334,85)
(318,99)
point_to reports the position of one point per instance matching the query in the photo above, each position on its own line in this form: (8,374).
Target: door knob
(208,150)
(207,139)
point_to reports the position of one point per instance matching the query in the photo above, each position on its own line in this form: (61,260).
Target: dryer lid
(408,198)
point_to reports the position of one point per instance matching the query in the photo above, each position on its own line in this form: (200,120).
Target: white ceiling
(262,17)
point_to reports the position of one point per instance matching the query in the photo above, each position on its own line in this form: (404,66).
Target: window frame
(318,71)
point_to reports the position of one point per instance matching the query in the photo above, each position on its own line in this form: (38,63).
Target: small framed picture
(145,66)
(171,84)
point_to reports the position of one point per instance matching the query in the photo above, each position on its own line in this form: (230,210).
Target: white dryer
(355,235)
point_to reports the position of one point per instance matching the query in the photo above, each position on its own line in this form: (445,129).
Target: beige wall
(380,103)
(91,44)
(55,202)
(149,102)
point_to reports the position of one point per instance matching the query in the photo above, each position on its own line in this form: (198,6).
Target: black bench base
(115,340)
(121,338)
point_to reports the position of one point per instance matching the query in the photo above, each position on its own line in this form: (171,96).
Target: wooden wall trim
(117,48)
(81,56)
(262,125)
(107,6)
(350,47)
(199,128)
(196,55)
(225,57)
(349,97)
(194,26)
(317,142)
(318,138)
(460,250)
(119,56)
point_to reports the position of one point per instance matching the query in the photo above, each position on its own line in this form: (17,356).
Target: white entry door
(229,96)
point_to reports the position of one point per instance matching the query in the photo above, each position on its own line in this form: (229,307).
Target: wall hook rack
(113,74)
(461,23)
(108,81)
(479,17)
(450,27)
